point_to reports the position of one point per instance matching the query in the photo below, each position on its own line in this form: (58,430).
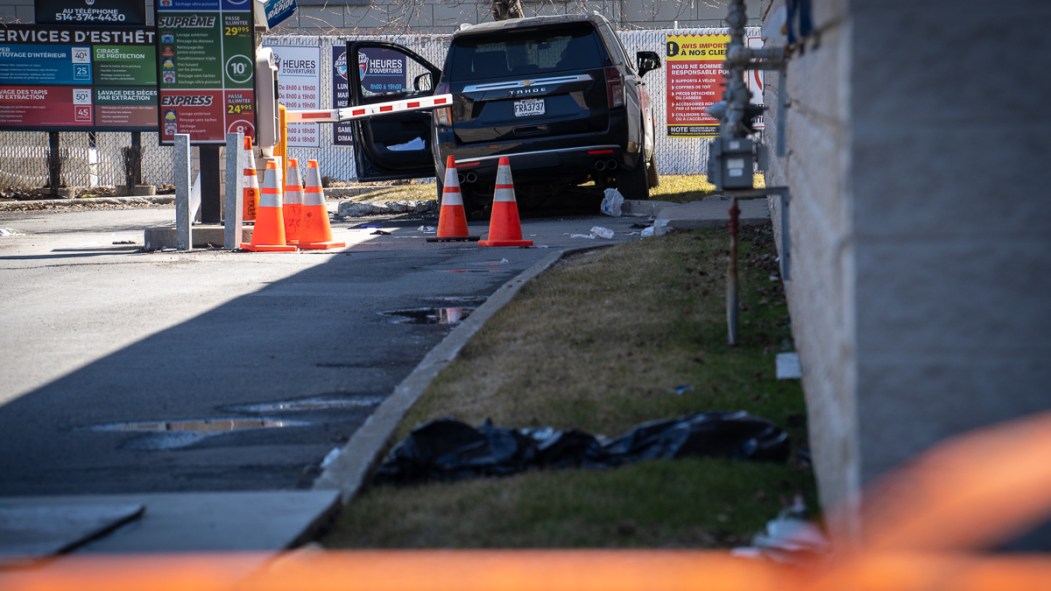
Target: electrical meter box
(731,163)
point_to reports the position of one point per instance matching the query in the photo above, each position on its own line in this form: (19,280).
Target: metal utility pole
(733,155)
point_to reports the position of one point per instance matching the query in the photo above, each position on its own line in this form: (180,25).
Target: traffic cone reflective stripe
(316,232)
(505,228)
(293,202)
(250,193)
(452,219)
(269,232)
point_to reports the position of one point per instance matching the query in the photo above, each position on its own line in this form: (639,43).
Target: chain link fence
(23,154)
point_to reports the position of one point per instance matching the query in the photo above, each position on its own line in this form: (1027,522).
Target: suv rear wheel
(651,172)
(634,184)
(474,204)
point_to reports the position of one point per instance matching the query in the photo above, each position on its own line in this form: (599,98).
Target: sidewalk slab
(30,532)
(182,522)
(710,212)
(204,236)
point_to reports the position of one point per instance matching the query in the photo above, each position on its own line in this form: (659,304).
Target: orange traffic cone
(250,192)
(293,204)
(269,233)
(452,219)
(505,229)
(316,233)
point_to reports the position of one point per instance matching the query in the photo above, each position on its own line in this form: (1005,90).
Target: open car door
(396,145)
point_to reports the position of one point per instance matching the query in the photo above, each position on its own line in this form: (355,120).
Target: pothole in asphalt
(471,301)
(488,263)
(439,315)
(314,403)
(167,435)
(207,426)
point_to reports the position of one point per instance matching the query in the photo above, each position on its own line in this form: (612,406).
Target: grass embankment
(598,343)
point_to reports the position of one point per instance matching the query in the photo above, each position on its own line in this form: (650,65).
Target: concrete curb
(348,472)
(639,208)
(57,203)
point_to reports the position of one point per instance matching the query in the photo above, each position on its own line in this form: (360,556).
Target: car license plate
(529,107)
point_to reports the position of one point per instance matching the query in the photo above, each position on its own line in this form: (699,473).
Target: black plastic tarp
(448,449)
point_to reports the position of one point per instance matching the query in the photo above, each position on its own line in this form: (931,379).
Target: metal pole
(54,163)
(731,278)
(731,127)
(737,95)
(786,239)
(136,152)
(93,160)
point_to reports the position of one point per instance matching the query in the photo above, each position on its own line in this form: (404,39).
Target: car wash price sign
(206,69)
(694,83)
(66,79)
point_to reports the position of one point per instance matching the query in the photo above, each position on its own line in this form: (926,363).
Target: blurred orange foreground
(925,525)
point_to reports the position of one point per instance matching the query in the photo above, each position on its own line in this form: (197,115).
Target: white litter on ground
(788,367)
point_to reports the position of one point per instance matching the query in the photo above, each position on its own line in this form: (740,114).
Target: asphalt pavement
(222,401)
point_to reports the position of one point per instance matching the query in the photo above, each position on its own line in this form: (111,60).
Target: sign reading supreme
(205,58)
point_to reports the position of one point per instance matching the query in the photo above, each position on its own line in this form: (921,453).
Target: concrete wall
(444,16)
(917,136)
(817,167)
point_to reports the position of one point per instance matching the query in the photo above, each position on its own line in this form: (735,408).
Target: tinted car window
(524,54)
(618,49)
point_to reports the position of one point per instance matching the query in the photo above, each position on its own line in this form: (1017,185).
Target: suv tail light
(443,114)
(614,88)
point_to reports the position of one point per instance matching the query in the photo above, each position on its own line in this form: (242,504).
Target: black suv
(557,95)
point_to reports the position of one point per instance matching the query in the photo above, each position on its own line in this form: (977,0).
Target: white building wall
(953,228)
(817,168)
(917,134)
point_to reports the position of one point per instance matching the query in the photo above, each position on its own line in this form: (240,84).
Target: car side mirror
(648,60)
(423,82)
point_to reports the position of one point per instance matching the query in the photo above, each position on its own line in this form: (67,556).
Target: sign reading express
(58,79)
(204,57)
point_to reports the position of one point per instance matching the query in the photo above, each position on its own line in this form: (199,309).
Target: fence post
(54,163)
(132,158)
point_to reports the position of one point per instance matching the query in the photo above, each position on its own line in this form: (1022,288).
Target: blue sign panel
(45,64)
(343,133)
(381,71)
(277,11)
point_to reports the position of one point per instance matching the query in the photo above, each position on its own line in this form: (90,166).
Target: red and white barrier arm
(365,111)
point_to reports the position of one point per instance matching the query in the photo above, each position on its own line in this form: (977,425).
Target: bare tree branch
(506,9)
